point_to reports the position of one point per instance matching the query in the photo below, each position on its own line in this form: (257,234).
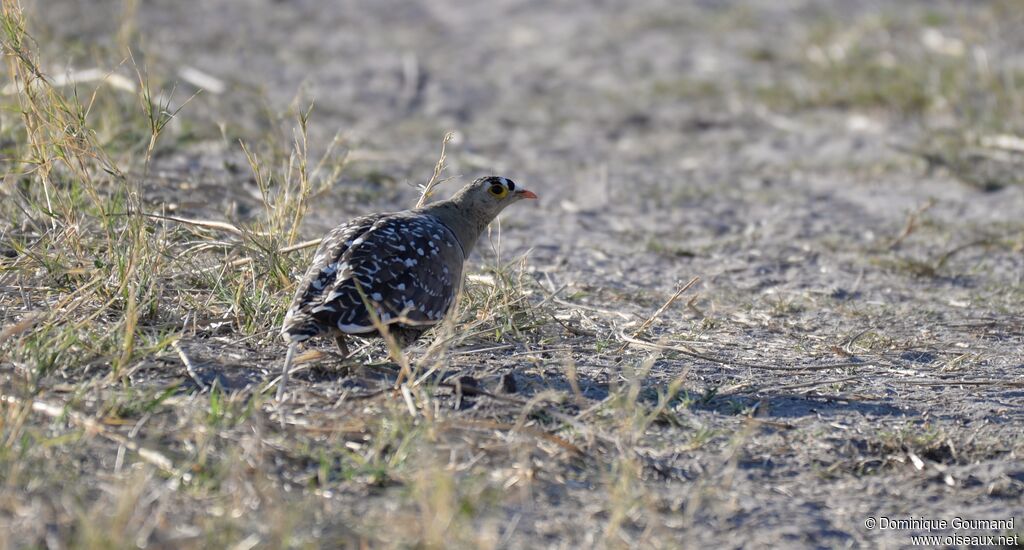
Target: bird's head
(475,206)
(488,196)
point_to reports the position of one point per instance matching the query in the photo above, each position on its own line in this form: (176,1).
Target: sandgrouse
(406,266)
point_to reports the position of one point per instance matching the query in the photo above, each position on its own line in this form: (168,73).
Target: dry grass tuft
(138,337)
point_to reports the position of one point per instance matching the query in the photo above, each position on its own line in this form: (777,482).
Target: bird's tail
(287,366)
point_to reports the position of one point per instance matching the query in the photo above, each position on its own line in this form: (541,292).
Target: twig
(1006,142)
(926,383)
(1007,383)
(592,308)
(53,411)
(911,223)
(407,396)
(209,224)
(984,241)
(81,76)
(435,178)
(189,365)
(650,320)
(536,351)
(790,387)
(481,350)
(27,322)
(739,364)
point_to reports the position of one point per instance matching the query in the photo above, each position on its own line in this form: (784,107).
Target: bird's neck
(466,226)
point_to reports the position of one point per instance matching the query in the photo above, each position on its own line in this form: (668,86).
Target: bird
(397,270)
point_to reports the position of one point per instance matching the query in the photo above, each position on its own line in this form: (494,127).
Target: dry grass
(138,350)
(104,290)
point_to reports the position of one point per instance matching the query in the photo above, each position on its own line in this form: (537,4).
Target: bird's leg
(342,345)
(284,372)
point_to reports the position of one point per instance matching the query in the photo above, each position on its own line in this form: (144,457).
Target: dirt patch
(853,349)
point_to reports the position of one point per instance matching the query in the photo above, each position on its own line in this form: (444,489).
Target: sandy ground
(649,132)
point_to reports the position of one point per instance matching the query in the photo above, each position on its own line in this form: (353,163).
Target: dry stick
(650,320)
(28,321)
(551,295)
(911,224)
(435,178)
(409,403)
(697,355)
(1007,383)
(536,351)
(230,228)
(728,363)
(984,241)
(804,385)
(209,224)
(53,411)
(586,307)
(481,350)
(928,383)
(190,365)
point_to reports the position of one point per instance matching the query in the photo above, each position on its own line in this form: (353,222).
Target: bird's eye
(498,190)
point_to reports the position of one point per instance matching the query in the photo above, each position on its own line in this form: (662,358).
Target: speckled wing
(407,264)
(299,323)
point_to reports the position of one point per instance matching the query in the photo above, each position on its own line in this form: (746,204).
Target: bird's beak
(526,194)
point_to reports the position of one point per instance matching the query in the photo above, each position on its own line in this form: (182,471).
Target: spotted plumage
(406,264)
(404,268)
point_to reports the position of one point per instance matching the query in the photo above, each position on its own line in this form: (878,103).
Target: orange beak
(526,194)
